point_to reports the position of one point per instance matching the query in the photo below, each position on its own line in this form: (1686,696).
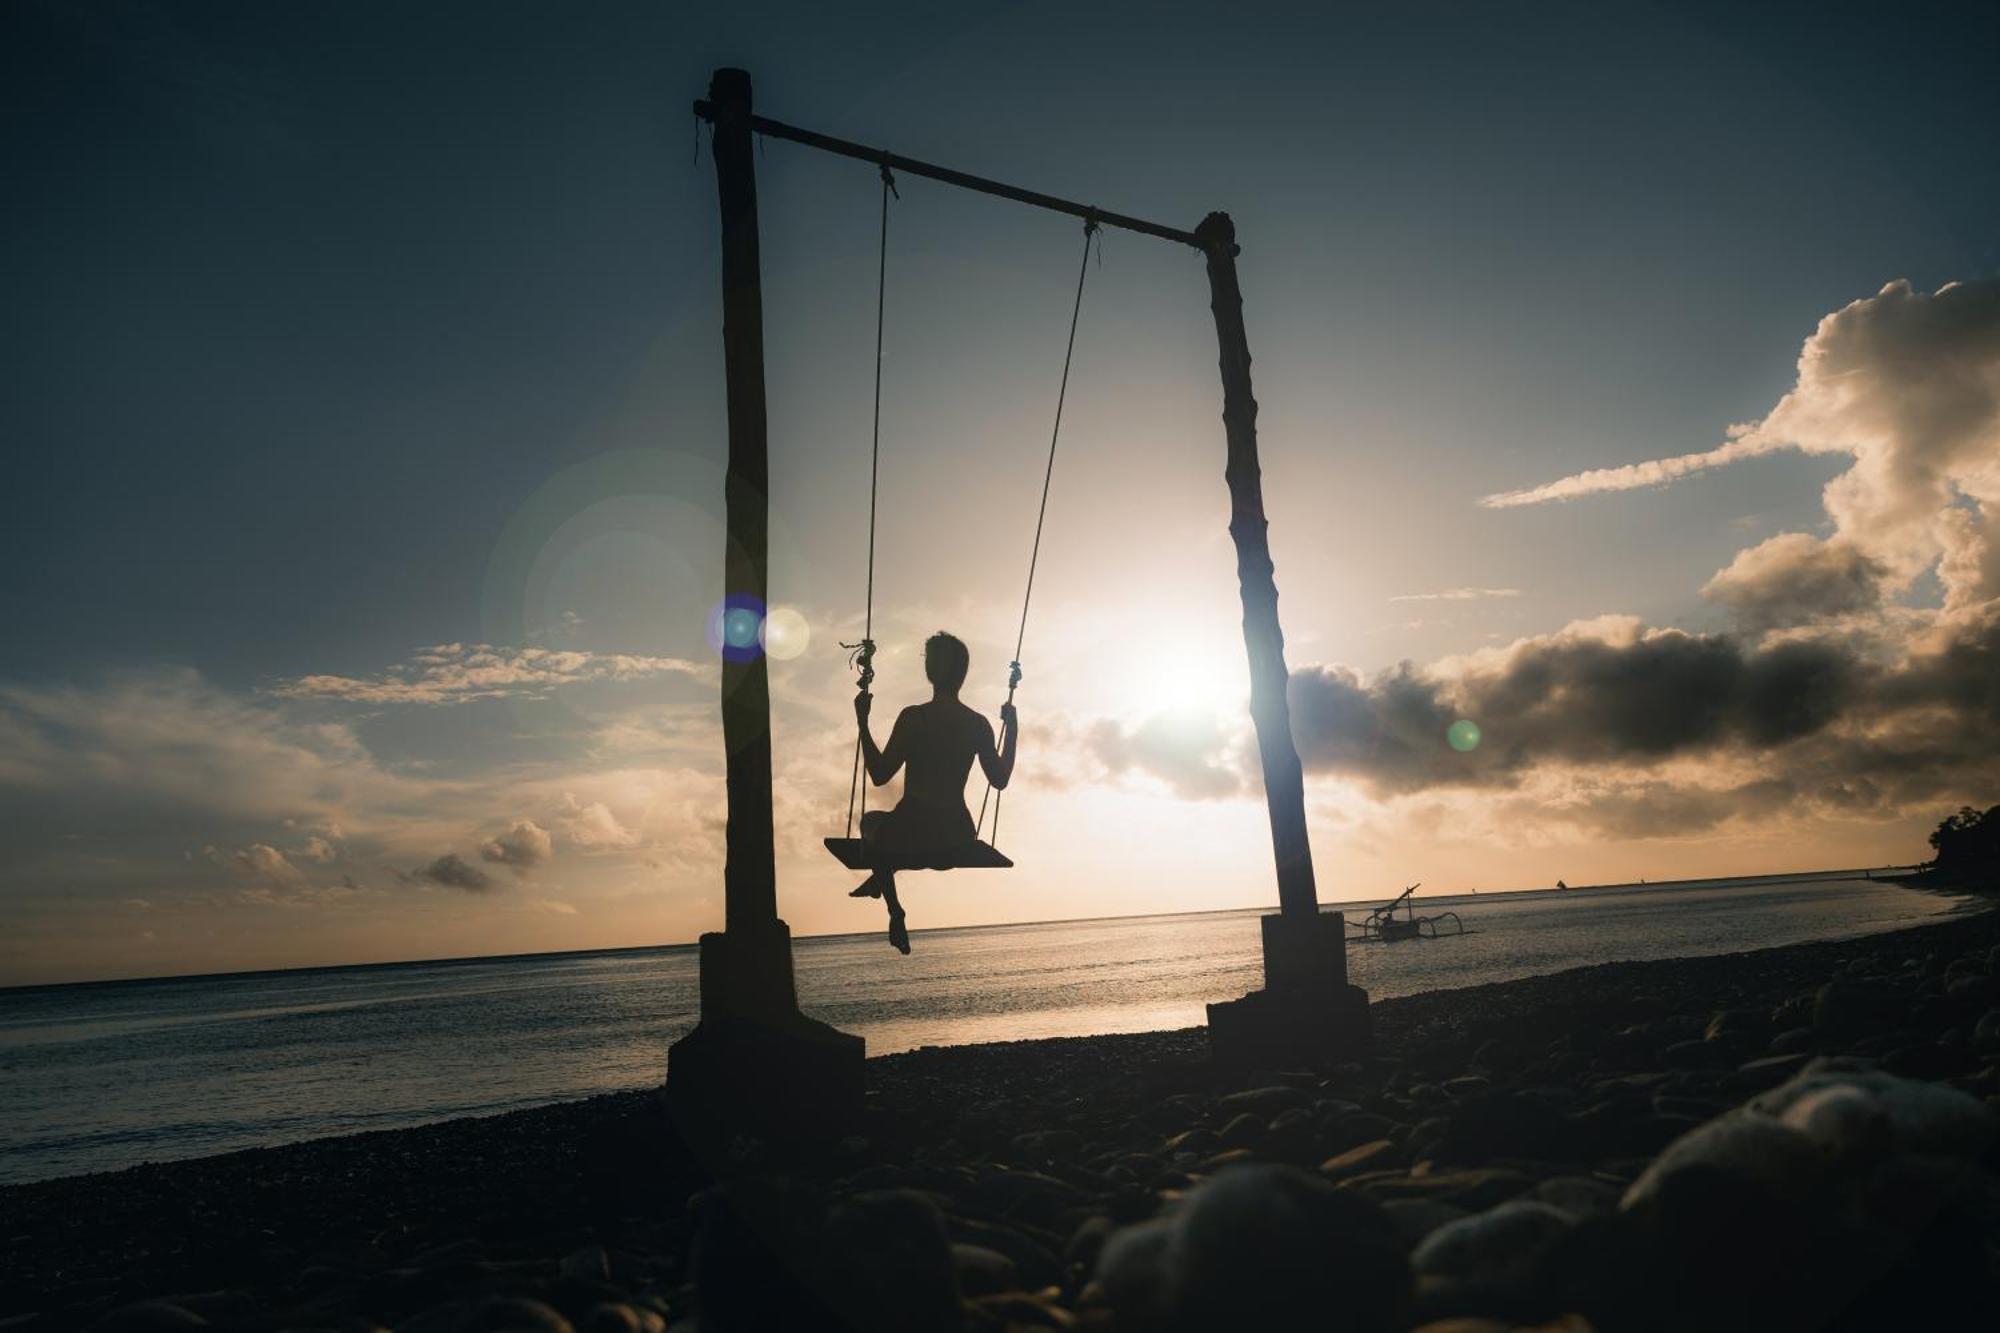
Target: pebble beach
(1799,1137)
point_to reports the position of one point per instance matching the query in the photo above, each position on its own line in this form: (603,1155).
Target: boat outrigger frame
(1383,926)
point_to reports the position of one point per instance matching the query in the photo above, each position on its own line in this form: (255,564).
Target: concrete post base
(1307,1013)
(755,1066)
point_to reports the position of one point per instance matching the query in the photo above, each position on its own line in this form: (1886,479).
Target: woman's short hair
(946,660)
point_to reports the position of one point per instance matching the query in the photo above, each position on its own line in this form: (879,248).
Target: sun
(1186,676)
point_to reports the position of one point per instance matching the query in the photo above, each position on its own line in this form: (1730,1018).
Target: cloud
(265,865)
(1908,385)
(1631,477)
(453,673)
(1616,727)
(1457,595)
(1795,579)
(521,848)
(1188,751)
(1597,693)
(453,872)
(592,827)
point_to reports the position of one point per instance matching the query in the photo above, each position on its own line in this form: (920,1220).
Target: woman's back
(939,740)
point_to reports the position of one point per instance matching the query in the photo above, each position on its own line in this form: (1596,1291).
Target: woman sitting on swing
(938,742)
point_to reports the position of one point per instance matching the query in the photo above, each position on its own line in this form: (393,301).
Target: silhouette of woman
(938,742)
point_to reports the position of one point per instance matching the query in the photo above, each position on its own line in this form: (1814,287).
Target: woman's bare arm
(882,764)
(1000,767)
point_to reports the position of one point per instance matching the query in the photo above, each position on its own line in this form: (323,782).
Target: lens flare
(1463,735)
(735,628)
(785,634)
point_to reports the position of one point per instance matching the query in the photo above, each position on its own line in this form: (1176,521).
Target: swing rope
(1041,515)
(863,653)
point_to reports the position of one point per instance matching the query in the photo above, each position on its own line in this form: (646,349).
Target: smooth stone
(514,1314)
(982,1271)
(1498,1245)
(1371,1156)
(1845,1009)
(1417,1218)
(1770,1069)
(1692,1108)
(1052,1145)
(146,1316)
(1473,1188)
(590,1263)
(1261,1247)
(1737,1024)
(1795,1012)
(890,1253)
(1969,989)
(1087,1241)
(1507,1125)
(1263,1102)
(1696,1053)
(450,1252)
(1244,1131)
(1349,1130)
(618,1317)
(1923,1117)
(1036,1262)
(1014,1192)
(1227,1158)
(1018,1309)
(1293,1136)
(1744,1143)
(1198,1141)
(1579,1196)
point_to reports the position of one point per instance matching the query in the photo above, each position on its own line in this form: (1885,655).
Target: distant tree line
(1968,842)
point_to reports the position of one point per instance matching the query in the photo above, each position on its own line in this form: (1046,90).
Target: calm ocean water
(100,1076)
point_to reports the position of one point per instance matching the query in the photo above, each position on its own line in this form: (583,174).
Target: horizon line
(237,974)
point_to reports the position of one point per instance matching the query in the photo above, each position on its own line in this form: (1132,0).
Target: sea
(104,1075)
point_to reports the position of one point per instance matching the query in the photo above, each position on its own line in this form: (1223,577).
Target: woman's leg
(873,823)
(899,934)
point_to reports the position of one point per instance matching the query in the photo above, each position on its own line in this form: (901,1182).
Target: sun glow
(1198,676)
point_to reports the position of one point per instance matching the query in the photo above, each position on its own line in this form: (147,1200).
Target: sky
(1629,380)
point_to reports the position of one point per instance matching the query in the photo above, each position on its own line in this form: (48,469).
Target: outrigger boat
(1383,926)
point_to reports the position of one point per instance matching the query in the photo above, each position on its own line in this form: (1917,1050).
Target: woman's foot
(869,888)
(899,934)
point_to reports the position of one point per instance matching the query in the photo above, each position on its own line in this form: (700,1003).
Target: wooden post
(1284,782)
(750,876)
(754,1065)
(1307,1010)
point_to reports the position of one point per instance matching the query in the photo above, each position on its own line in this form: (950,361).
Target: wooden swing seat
(856,854)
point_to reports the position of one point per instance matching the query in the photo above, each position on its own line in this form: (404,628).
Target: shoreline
(280,1228)
(1968,899)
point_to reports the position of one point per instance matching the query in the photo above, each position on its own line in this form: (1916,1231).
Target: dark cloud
(1573,699)
(1795,579)
(1654,808)
(453,872)
(521,848)
(1389,732)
